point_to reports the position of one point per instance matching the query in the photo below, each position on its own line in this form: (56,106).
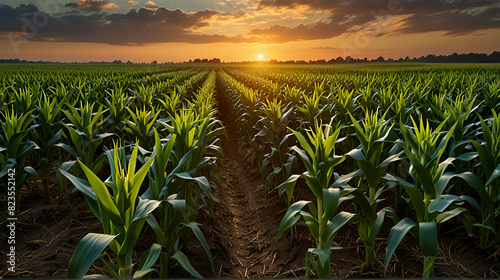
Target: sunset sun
(260,56)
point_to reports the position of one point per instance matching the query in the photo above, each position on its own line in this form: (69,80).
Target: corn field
(390,154)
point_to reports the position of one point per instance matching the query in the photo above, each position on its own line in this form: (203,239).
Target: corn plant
(273,128)
(24,99)
(171,101)
(46,135)
(491,96)
(83,132)
(343,102)
(489,157)
(169,220)
(196,137)
(117,102)
(312,106)
(426,193)
(318,156)
(122,214)
(145,95)
(141,126)
(292,94)
(373,157)
(14,150)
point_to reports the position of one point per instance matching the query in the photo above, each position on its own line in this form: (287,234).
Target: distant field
(190,170)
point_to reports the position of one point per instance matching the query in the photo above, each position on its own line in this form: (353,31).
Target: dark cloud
(92,5)
(137,27)
(335,26)
(452,23)
(23,9)
(450,17)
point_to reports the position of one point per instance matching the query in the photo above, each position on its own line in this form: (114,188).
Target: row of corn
(417,146)
(139,145)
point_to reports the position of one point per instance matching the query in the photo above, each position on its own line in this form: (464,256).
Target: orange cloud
(92,5)
(132,3)
(151,5)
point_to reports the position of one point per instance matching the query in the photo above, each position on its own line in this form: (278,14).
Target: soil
(242,236)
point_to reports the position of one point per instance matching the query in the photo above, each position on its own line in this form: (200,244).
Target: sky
(240,30)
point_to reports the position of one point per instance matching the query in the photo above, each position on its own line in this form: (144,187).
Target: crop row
(425,143)
(138,151)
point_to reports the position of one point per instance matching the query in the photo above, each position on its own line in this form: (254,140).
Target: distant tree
(197,60)
(117,61)
(380,59)
(154,62)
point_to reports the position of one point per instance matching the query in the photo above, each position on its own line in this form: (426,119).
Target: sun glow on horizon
(260,56)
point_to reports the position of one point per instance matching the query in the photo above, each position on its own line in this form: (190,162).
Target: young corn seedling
(46,135)
(84,135)
(14,150)
(24,99)
(169,221)
(196,137)
(312,106)
(318,155)
(491,96)
(142,125)
(292,95)
(122,215)
(426,193)
(171,102)
(373,157)
(145,95)
(117,102)
(489,158)
(273,129)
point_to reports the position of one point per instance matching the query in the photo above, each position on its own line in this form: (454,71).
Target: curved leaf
(86,252)
(184,262)
(396,235)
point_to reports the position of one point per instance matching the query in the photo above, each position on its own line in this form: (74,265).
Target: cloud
(453,23)
(412,16)
(151,5)
(92,5)
(335,26)
(132,3)
(136,27)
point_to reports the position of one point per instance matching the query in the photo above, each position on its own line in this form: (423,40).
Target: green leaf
(131,237)
(95,276)
(495,174)
(145,207)
(423,175)
(396,235)
(445,216)
(330,202)
(199,235)
(86,252)
(338,222)
(103,196)
(184,262)
(291,217)
(428,237)
(149,258)
(477,185)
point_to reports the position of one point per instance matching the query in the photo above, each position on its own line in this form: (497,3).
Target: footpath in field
(246,221)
